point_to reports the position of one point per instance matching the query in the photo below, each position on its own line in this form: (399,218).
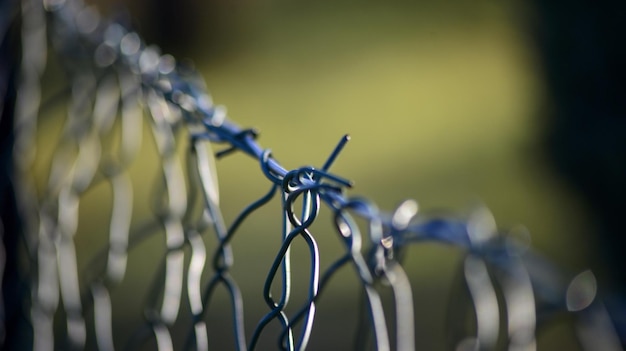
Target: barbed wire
(114,77)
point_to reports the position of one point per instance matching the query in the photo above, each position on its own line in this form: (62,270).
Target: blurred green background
(442,100)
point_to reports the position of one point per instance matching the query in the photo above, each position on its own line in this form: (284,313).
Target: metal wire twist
(116,78)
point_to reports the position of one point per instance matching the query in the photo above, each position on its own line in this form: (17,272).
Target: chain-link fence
(122,90)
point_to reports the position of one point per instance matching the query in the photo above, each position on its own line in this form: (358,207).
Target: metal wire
(115,78)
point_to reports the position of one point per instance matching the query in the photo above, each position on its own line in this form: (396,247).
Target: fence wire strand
(117,81)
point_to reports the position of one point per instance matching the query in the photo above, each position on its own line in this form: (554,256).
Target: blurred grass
(440,102)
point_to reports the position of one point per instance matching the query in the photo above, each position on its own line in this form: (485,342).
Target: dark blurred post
(12,310)
(582,46)
(172,25)
(189,28)
(176,23)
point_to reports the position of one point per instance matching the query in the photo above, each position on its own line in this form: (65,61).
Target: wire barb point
(342,143)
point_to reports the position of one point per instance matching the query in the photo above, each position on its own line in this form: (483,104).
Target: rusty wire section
(115,77)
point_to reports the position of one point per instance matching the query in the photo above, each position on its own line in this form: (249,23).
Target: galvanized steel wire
(115,77)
